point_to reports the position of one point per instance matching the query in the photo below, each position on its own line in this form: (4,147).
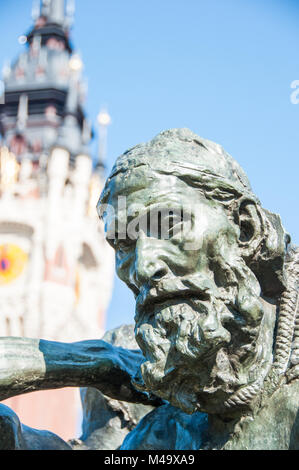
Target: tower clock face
(12,262)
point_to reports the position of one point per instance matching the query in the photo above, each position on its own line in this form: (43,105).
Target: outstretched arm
(27,365)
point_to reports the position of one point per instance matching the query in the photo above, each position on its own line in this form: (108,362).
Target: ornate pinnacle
(54,11)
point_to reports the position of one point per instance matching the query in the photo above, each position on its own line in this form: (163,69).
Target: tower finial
(57,14)
(104,120)
(70,12)
(36,10)
(54,11)
(45,7)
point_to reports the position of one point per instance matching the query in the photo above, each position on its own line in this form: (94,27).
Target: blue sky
(222,68)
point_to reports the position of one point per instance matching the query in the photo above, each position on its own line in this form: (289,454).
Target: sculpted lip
(198,288)
(153,299)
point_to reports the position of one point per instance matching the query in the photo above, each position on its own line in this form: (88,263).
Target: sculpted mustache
(197,286)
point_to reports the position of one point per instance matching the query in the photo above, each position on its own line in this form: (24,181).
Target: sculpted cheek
(250,306)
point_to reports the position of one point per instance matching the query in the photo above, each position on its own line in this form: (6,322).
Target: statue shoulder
(15,436)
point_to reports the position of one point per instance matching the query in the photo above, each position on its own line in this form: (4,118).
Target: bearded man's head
(206,275)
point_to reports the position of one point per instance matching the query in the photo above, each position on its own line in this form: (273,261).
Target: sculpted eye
(165,223)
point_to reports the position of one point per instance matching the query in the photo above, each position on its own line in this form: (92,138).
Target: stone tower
(56,270)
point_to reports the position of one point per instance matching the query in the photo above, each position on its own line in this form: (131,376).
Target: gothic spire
(52,19)
(44,86)
(56,12)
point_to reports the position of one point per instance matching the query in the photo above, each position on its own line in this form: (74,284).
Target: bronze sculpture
(216,287)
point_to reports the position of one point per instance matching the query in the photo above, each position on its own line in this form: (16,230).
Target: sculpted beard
(197,345)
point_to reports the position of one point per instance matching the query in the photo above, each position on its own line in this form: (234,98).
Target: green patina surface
(217,321)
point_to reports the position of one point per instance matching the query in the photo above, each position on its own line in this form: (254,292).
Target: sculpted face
(200,320)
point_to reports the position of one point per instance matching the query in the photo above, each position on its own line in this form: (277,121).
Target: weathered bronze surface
(217,315)
(27,365)
(106,421)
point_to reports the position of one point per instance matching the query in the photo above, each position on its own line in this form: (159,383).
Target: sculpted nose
(213,330)
(147,268)
(148,265)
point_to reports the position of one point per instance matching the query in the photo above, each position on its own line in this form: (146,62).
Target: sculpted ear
(251,228)
(263,242)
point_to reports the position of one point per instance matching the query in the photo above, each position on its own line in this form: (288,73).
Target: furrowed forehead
(146,188)
(125,183)
(180,153)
